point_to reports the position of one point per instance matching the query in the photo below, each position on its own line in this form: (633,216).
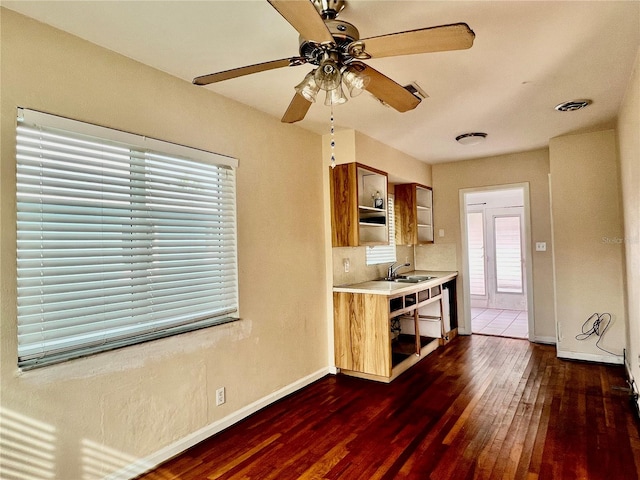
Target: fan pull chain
(333,141)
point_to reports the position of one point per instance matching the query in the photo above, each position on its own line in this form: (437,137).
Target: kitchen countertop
(381,287)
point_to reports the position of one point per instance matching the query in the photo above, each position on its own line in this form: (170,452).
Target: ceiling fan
(335,47)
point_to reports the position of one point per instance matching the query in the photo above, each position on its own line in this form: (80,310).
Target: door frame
(465,325)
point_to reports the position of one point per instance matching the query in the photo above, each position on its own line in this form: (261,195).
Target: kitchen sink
(421,278)
(408,279)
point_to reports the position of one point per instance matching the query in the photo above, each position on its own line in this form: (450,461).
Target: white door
(496,261)
(504,233)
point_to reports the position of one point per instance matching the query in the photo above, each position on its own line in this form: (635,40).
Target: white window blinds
(475,243)
(117,242)
(508,254)
(384,253)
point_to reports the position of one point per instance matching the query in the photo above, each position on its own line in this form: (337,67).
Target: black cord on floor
(601,323)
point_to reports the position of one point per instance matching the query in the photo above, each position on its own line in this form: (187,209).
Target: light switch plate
(541,246)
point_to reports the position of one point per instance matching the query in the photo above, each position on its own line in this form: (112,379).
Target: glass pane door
(508,254)
(475,242)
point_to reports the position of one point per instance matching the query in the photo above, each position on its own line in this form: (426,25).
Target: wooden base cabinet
(369,340)
(362,334)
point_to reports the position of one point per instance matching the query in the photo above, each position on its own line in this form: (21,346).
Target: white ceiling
(527,58)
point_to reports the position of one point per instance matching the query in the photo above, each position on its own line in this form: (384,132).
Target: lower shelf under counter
(399,367)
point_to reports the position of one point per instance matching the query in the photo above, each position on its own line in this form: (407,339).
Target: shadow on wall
(28,451)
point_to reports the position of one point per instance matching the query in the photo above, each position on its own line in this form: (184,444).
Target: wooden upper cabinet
(413,214)
(356,218)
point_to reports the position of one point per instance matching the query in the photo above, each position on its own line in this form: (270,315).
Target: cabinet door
(413,214)
(362,333)
(344,206)
(405,214)
(356,217)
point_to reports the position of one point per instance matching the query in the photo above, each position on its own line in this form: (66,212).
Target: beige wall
(136,401)
(629,151)
(401,167)
(352,146)
(446,253)
(587,241)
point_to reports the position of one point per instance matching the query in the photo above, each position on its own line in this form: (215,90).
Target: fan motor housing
(343,33)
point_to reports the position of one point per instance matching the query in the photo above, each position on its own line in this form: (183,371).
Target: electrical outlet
(541,246)
(220,396)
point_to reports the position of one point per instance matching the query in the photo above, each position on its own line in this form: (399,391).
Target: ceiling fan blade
(249,69)
(434,39)
(297,109)
(390,92)
(303,16)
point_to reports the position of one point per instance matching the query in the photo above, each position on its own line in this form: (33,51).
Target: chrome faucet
(391,271)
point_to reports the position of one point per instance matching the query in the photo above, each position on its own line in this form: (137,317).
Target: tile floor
(501,323)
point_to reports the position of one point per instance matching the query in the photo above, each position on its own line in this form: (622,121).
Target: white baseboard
(632,384)
(590,357)
(548,340)
(155,459)
(631,379)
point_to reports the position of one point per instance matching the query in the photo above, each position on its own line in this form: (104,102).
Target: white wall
(588,256)
(150,400)
(629,148)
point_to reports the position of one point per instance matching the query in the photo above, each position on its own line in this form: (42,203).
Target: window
(120,239)
(384,253)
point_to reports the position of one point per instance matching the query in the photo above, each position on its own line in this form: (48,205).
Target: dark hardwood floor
(479,408)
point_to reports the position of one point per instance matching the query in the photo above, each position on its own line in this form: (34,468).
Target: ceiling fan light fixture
(327,75)
(355,81)
(335,96)
(473,138)
(308,87)
(335,45)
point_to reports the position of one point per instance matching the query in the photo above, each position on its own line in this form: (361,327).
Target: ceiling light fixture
(473,138)
(330,76)
(327,75)
(308,87)
(335,96)
(354,79)
(573,105)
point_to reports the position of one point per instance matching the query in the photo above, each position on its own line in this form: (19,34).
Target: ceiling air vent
(415,89)
(573,105)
